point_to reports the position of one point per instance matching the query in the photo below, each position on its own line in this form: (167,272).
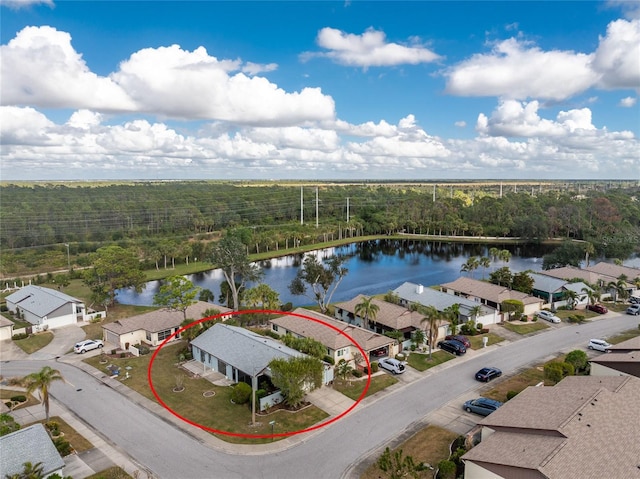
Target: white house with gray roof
(30,444)
(553,290)
(240,354)
(412,293)
(47,308)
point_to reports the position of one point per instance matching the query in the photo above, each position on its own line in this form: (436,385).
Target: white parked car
(391,364)
(599,345)
(87,345)
(548,316)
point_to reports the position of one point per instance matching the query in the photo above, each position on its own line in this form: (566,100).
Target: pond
(375,267)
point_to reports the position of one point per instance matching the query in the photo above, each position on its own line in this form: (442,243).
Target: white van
(599,345)
(391,364)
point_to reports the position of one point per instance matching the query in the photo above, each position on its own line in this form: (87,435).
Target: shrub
(556,371)
(8,424)
(3,308)
(511,395)
(19,398)
(357,373)
(534,319)
(114,351)
(241,393)
(374,367)
(123,355)
(329,359)
(63,446)
(271,334)
(287,306)
(413,347)
(578,359)
(54,427)
(479,326)
(18,337)
(447,469)
(400,357)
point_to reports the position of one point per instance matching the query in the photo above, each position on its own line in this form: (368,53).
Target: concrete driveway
(62,343)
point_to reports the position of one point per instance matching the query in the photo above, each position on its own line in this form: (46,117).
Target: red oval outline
(259,436)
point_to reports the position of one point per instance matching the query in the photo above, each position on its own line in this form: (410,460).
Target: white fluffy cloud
(370,49)
(41,68)
(628,102)
(516,69)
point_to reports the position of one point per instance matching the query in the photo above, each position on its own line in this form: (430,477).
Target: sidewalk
(101,457)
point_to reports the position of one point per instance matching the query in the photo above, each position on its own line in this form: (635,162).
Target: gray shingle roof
(614,270)
(391,315)
(545,283)
(571,272)
(416,293)
(31,444)
(488,291)
(40,301)
(243,349)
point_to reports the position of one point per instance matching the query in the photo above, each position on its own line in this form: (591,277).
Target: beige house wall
(5,333)
(474,471)
(600,370)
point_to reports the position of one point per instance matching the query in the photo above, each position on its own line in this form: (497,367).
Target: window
(162,335)
(148,336)
(340,352)
(274,327)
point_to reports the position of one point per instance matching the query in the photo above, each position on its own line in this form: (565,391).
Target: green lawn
(421,361)
(35,342)
(524,328)
(476,341)
(624,336)
(216,412)
(353,388)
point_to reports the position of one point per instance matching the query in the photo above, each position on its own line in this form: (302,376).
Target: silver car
(548,316)
(87,345)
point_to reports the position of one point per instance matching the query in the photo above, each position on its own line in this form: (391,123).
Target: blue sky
(319,90)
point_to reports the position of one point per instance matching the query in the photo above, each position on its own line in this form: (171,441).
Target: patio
(214,377)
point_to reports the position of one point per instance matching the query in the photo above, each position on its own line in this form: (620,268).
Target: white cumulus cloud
(370,49)
(628,102)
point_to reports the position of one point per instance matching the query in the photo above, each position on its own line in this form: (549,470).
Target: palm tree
(367,310)
(452,314)
(41,381)
(29,471)
(432,317)
(484,263)
(475,312)
(471,265)
(592,293)
(494,253)
(418,337)
(589,249)
(504,255)
(619,288)
(571,297)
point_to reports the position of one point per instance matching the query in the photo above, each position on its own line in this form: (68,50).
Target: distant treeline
(606,214)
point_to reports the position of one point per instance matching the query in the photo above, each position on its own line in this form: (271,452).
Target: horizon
(319,91)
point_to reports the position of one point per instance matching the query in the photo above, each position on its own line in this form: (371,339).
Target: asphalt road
(329,453)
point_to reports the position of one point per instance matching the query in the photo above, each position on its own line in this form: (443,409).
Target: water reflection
(375,267)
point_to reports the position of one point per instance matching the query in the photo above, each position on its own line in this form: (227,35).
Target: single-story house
(622,360)
(553,290)
(30,444)
(411,293)
(390,317)
(47,308)
(582,427)
(490,294)
(154,327)
(571,273)
(612,272)
(6,329)
(240,354)
(337,344)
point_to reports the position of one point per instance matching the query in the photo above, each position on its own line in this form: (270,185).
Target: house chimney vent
(419,289)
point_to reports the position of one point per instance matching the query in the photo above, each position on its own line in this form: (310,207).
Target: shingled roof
(488,291)
(40,301)
(30,444)
(582,428)
(328,336)
(390,315)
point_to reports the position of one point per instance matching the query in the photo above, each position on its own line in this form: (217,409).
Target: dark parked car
(482,406)
(487,374)
(460,338)
(378,353)
(452,346)
(598,308)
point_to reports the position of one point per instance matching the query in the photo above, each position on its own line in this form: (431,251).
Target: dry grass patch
(528,377)
(429,445)
(6,394)
(624,336)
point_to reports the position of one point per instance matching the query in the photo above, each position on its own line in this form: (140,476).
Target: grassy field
(214,412)
(429,445)
(524,328)
(35,342)
(421,361)
(476,341)
(353,388)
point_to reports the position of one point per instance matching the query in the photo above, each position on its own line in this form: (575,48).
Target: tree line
(174,221)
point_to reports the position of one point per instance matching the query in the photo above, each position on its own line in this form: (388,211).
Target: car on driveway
(482,406)
(392,365)
(599,345)
(452,346)
(87,345)
(460,338)
(597,308)
(487,374)
(634,309)
(548,316)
